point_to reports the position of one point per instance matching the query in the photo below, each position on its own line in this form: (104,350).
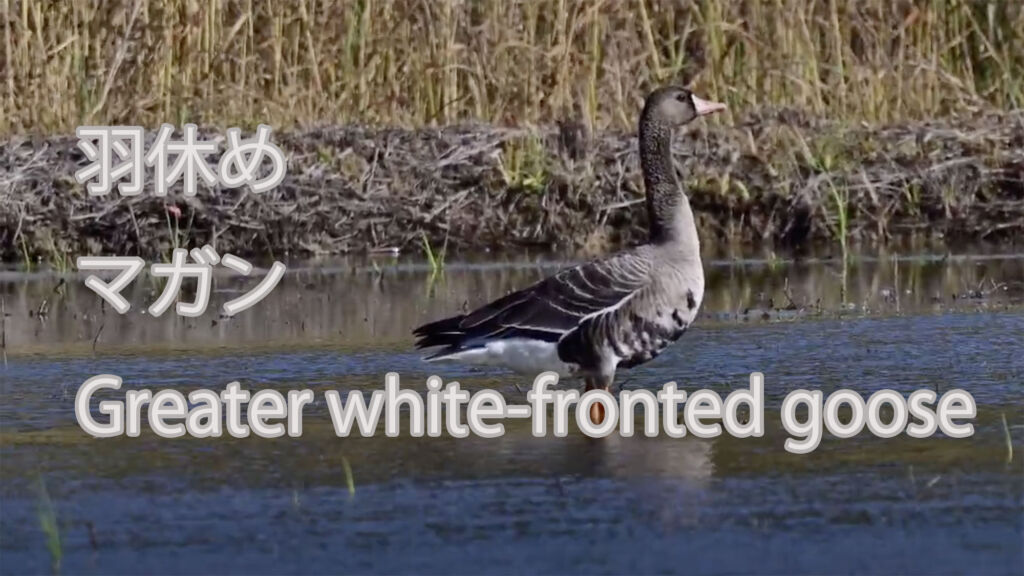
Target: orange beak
(705,107)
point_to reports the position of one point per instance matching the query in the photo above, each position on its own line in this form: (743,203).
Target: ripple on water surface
(519,503)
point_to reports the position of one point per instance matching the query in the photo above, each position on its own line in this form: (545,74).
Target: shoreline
(776,180)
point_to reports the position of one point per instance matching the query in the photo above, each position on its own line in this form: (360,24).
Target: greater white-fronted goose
(620,311)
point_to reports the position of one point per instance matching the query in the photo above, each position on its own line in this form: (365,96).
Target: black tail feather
(444,332)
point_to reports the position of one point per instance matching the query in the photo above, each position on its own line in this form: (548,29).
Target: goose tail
(444,333)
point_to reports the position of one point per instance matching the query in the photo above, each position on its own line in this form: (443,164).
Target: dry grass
(238,62)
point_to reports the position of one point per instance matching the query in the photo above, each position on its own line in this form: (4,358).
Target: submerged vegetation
(47,515)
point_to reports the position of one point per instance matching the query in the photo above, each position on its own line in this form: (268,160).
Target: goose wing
(546,311)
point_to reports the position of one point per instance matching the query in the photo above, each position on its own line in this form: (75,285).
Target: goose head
(676,106)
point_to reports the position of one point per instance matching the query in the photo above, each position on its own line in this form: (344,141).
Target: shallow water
(519,503)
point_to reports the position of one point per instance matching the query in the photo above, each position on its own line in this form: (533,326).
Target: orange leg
(596,410)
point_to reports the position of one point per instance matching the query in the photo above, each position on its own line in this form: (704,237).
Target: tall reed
(239,62)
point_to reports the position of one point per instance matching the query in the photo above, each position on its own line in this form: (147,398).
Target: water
(519,503)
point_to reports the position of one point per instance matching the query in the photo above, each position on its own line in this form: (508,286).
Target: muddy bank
(772,179)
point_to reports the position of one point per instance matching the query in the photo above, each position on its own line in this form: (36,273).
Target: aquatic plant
(436,260)
(841,204)
(1009,441)
(59,259)
(47,515)
(349,479)
(3,329)
(26,260)
(178,238)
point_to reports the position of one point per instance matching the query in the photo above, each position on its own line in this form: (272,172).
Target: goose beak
(705,107)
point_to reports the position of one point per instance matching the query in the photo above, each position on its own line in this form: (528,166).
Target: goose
(617,312)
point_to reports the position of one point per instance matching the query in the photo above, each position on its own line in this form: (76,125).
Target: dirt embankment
(774,179)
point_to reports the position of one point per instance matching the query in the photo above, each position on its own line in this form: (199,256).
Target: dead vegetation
(777,178)
(413,63)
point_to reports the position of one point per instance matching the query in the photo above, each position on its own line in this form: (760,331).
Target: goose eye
(681,97)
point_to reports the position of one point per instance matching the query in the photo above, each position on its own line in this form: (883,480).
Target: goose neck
(668,209)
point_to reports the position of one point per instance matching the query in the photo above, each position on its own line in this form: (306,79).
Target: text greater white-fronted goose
(619,311)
